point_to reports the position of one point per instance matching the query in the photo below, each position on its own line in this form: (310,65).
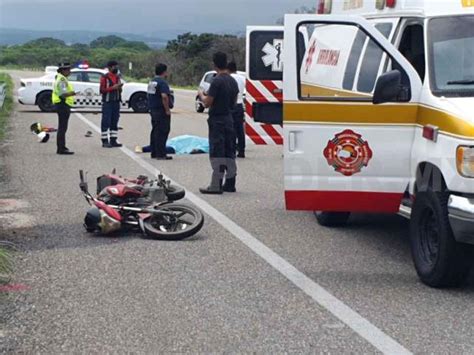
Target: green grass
(6,266)
(5,111)
(7,108)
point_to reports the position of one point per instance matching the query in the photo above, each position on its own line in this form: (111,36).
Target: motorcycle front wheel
(179,222)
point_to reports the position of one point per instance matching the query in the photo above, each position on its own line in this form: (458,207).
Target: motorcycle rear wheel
(186,222)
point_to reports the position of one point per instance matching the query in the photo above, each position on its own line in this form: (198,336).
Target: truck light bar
(380,4)
(324,7)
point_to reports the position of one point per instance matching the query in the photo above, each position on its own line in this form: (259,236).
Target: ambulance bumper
(461,217)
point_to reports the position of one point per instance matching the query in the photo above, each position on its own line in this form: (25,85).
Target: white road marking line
(340,310)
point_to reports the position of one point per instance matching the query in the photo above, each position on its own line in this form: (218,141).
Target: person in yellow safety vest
(63,100)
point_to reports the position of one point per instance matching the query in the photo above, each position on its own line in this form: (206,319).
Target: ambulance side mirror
(388,87)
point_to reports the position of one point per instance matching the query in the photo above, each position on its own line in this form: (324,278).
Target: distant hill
(11,36)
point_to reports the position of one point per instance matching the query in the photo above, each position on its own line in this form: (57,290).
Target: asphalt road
(255,279)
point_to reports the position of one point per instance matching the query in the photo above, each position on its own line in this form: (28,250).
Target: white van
(378,117)
(205,84)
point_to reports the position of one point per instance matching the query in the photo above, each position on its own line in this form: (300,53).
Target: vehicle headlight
(465,161)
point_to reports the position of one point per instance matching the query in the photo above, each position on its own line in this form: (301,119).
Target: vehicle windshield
(451,41)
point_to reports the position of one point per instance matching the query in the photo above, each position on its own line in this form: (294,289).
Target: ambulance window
(370,67)
(384,28)
(353,60)
(413,48)
(339,56)
(266,55)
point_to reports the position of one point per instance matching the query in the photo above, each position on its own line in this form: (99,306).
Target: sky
(144,16)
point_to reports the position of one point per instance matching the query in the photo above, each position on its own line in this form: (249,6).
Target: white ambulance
(378,117)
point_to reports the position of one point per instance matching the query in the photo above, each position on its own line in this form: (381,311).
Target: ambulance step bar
(405,211)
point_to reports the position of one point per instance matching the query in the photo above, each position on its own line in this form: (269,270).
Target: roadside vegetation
(188,56)
(5,111)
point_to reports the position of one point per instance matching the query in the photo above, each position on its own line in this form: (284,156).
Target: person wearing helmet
(111,90)
(63,99)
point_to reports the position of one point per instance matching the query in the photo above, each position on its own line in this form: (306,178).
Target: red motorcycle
(141,204)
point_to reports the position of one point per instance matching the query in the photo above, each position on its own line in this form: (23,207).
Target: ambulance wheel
(332,219)
(139,102)
(44,102)
(439,260)
(199,106)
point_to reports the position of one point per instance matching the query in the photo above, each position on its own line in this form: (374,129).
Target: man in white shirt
(238,112)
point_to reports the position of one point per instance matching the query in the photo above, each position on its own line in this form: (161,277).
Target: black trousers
(239,127)
(161,126)
(64,111)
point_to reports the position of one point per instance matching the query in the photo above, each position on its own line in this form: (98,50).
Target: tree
(108,42)
(135,45)
(46,42)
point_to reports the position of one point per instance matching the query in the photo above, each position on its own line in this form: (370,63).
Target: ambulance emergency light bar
(325,6)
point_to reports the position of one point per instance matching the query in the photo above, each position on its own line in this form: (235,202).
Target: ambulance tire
(439,260)
(332,219)
(139,102)
(44,101)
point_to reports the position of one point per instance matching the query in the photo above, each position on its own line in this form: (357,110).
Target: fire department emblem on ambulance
(348,153)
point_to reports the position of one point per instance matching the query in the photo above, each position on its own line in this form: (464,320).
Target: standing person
(221,99)
(63,99)
(238,112)
(160,105)
(111,90)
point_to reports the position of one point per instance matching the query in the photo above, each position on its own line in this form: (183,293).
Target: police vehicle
(377,112)
(86,81)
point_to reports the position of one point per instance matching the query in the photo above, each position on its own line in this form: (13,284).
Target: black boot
(114,143)
(229,185)
(106,144)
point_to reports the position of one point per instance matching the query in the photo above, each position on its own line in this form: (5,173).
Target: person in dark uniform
(221,99)
(111,90)
(238,112)
(160,105)
(63,99)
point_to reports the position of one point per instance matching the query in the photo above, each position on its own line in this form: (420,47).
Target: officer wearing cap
(63,100)
(111,90)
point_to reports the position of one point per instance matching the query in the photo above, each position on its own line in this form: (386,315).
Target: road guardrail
(3,93)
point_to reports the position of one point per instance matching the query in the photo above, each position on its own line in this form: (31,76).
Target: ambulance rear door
(344,151)
(264,94)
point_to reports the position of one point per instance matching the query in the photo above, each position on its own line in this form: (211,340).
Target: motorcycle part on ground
(103,182)
(182,222)
(92,220)
(175,193)
(108,224)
